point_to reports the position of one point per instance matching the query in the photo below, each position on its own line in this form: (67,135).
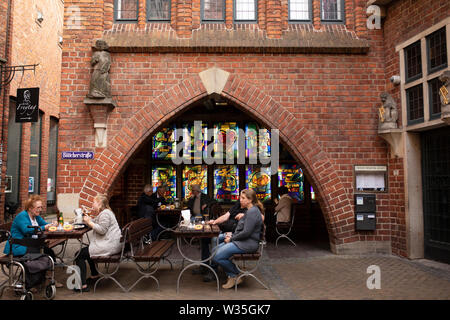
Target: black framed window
(434,98)
(158,10)
(126,10)
(12,183)
(437,50)
(52,160)
(332,10)
(413,62)
(245,10)
(414,99)
(299,10)
(35,156)
(213,10)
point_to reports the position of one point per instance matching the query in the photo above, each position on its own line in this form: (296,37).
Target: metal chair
(280,226)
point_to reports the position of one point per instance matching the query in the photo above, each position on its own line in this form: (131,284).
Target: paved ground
(308,271)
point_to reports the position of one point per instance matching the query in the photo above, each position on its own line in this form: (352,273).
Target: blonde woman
(105,238)
(245,239)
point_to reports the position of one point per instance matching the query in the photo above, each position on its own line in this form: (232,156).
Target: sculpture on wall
(445,96)
(388,114)
(100,86)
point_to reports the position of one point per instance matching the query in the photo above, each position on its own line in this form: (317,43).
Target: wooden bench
(151,253)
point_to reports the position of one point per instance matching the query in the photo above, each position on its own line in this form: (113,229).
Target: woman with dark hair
(245,239)
(283,208)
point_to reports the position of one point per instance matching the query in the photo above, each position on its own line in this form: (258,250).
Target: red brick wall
(325,104)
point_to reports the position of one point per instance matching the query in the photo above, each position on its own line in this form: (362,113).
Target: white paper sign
(359,201)
(360,217)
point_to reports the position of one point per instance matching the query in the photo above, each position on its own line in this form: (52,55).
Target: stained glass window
(195,146)
(226,183)
(164,144)
(313,195)
(194,175)
(258,179)
(165,175)
(291,176)
(226,143)
(257,141)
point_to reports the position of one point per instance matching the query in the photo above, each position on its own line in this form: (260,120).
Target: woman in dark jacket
(245,239)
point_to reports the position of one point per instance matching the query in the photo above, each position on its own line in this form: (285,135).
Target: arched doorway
(303,145)
(154,163)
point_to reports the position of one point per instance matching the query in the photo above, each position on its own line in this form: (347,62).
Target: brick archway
(333,199)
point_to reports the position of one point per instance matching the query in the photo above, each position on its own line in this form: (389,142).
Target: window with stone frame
(414,98)
(158,10)
(424,57)
(332,10)
(126,10)
(413,62)
(299,10)
(213,10)
(245,10)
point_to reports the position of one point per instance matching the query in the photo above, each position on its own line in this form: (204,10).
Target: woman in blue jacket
(29,217)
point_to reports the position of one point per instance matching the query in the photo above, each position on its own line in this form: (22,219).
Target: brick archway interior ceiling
(301,142)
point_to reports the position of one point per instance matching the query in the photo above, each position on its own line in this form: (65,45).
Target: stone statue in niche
(388,114)
(100,86)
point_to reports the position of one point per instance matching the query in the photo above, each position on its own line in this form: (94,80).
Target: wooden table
(207,231)
(167,213)
(66,235)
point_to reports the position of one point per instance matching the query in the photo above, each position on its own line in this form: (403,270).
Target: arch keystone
(214,79)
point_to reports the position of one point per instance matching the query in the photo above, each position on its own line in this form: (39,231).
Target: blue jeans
(223,255)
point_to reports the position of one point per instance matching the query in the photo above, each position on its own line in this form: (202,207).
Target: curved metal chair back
(288,227)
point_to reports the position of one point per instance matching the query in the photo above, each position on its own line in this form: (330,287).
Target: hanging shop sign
(27,107)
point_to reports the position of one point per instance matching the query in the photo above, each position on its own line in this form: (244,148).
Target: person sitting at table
(283,208)
(146,206)
(198,204)
(105,239)
(31,216)
(245,239)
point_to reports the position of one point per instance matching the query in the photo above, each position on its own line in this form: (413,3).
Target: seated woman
(19,228)
(283,208)
(105,238)
(245,239)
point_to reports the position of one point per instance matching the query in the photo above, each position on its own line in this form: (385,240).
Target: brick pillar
(316,14)
(273,18)
(349,15)
(108,14)
(142,17)
(196,14)
(184,18)
(360,19)
(284,15)
(229,14)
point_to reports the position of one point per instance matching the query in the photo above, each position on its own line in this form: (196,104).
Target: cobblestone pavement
(306,272)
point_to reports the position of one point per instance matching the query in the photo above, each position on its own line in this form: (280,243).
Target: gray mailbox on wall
(365,212)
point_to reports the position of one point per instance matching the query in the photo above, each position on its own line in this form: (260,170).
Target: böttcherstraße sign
(27,107)
(71,155)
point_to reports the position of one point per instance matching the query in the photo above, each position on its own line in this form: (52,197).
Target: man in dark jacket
(148,202)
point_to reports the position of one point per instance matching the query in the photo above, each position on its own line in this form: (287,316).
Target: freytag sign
(73,155)
(27,107)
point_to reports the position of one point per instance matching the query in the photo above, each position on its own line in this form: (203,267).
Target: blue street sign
(71,155)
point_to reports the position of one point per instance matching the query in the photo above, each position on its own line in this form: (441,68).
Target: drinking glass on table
(206,217)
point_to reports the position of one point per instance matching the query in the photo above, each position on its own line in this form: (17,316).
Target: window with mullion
(413,62)
(299,10)
(434,98)
(245,10)
(213,10)
(158,10)
(332,10)
(437,50)
(414,100)
(126,10)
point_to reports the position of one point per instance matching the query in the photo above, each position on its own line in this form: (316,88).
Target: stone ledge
(236,41)
(362,247)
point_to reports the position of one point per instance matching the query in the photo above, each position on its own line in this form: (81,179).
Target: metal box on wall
(365,212)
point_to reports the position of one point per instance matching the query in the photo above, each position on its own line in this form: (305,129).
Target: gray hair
(196,187)
(148,188)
